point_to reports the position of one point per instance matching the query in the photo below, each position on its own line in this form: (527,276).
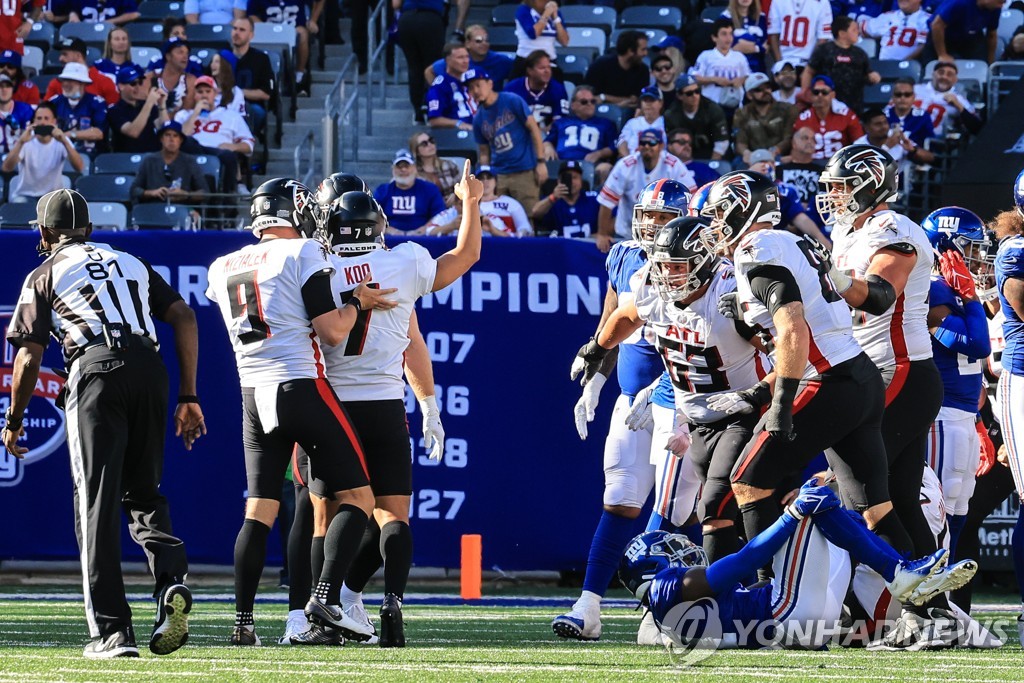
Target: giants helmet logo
(868,163)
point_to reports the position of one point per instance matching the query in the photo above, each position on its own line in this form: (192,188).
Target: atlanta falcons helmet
(698,199)
(283,203)
(337,184)
(355,224)
(736,201)
(680,264)
(856,180)
(953,227)
(650,553)
(665,196)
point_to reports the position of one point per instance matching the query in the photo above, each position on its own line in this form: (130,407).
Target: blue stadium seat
(586,36)
(574,67)
(32,60)
(156,10)
(877,95)
(614,113)
(503,38)
(157,215)
(1009,21)
(891,69)
(145,33)
(211,169)
(91,33)
(504,15)
(43,35)
(108,216)
(16,215)
(456,143)
(142,55)
(209,35)
(582,15)
(115,163)
(105,187)
(667,18)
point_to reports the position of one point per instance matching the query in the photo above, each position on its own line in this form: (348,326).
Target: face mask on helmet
(652,552)
(735,202)
(680,264)
(956,228)
(657,204)
(856,179)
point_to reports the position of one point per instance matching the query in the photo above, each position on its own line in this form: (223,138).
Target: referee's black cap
(62,210)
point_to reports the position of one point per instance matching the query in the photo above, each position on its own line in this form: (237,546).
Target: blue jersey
(754,31)
(502,126)
(575,220)
(447,97)
(961,375)
(917,124)
(639,363)
(1010,264)
(13,125)
(789,202)
(412,208)
(664,393)
(574,139)
(702,173)
(494,64)
(966,21)
(90,112)
(289,12)
(95,11)
(547,105)
(156,65)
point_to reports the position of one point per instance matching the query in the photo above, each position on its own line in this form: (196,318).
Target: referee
(100,303)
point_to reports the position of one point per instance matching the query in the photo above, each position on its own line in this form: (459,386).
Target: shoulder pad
(762,248)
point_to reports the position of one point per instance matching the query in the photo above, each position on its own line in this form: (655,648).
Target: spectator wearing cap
(546,96)
(222,70)
(448,103)
(538,27)
(651,106)
(763,123)
(115,12)
(14,26)
(134,121)
(72,51)
(664,73)
(408,202)
(794,215)
(721,70)
(174,77)
(583,136)
(15,116)
(217,131)
(784,76)
(174,28)
(703,118)
(213,12)
(117,51)
(253,73)
(500,215)
(293,13)
(568,211)
(844,62)
(170,175)
(834,124)
(39,155)
(680,145)
(951,112)
(914,123)
(618,78)
(481,56)
(749,30)
(24,89)
(964,29)
(508,139)
(442,172)
(81,115)
(628,177)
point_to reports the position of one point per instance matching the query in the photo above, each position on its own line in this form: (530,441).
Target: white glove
(679,442)
(577,367)
(587,405)
(433,431)
(640,416)
(730,404)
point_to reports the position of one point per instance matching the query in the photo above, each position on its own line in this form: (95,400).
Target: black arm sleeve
(774,286)
(881,295)
(317,296)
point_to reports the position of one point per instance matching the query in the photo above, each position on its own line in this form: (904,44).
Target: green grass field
(41,640)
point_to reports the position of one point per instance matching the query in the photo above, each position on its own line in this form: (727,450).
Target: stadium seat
(574,68)
(586,36)
(869,45)
(156,10)
(145,33)
(219,35)
(588,53)
(159,216)
(16,215)
(710,14)
(211,169)
(1009,21)
(877,95)
(1002,77)
(720,166)
(667,18)
(42,81)
(73,174)
(205,55)
(266,35)
(106,187)
(32,60)
(91,33)
(459,143)
(891,69)
(654,35)
(504,15)
(614,113)
(503,38)
(115,163)
(582,15)
(108,216)
(144,55)
(43,35)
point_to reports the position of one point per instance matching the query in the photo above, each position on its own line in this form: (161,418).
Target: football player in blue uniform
(960,342)
(810,547)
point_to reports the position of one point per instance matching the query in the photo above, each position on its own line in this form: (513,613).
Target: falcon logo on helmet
(736,201)
(856,180)
(739,187)
(868,163)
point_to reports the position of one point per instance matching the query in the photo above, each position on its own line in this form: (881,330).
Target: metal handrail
(310,142)
(340,114)
(375,58)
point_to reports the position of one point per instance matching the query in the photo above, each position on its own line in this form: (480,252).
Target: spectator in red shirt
(24,89)
(72,51)
(833,123)
(14,26)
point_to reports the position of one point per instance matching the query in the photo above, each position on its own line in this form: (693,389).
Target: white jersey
(713,64)
(630,135)
(368,364)
(504,213)
(799,24)
(702,351)
(994,363)
(827,315)
(629,177)
(899,35)
(934,102)
(259,292)
(214,128)
(901,333)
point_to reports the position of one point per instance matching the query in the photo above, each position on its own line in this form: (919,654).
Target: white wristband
(429,406)
(841,280)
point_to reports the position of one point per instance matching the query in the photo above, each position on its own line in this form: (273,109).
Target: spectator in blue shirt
(568,211)
(538,27)
(82,116)
(213,12)
(478,42)
(964,29)
(448,103)
(583,136)
(915,123)
(111,11)
(546,96)
(409,202)
(794,215)
(508,139)
(680,144)
(15,116)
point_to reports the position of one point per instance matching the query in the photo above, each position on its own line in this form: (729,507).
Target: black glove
(589,360)
(729,306)
(778,421)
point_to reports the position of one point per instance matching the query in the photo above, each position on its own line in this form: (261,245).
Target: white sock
(590,600)
(296,614)
(349,596)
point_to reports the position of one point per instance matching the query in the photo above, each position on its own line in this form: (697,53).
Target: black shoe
(117,644)
(392,628)
(333,616)
(171,628)
(318,635)
(245,636)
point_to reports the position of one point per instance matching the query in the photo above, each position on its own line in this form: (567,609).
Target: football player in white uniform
(882,268)
(796,27)
(277,304)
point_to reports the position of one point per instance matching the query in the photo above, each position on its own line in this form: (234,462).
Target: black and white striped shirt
(80,287)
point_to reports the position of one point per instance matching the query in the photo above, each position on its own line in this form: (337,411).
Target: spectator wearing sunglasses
(704,119)
(915,123)
(680,145)
(833,123)
(134,121)
(583,136)
(763,123)
(664,73)
(170,175)
(444,173)
(650,116)
(478,42)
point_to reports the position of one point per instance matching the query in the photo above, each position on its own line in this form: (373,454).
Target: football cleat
(318,635)
(117,644)
(579,624)
(297,623)
(912,633)
(245,636)
(357,612)
(332,615)
(946,579)
(910,574)
(392,626)
(171,628)
(1020,630)
(649,633)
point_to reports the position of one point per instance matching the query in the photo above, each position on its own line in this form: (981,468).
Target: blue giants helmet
(667,196)
(1018,193)
(653,551)
(699,198)
(952,227)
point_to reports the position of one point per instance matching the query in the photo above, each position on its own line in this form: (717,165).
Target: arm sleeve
(317,296)
(525,21)
(773,286)
(730,570)
(161,294)
(967,334)
(31,318)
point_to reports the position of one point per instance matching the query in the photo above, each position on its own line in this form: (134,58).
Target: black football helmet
(663,196)
(355,224)
(736,201)
(337,184)
(283,203)
(680,263)
(856,179)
